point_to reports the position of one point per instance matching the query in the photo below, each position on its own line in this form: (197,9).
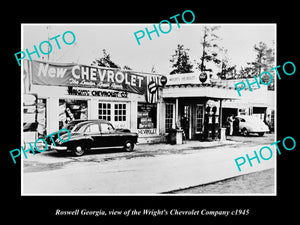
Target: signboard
(186,78)
(145,132)
(85,76)
(203,77)
(75,75)
(96,92)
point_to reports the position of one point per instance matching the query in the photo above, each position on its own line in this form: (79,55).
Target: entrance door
(226,112)
(115,112)
(186,120)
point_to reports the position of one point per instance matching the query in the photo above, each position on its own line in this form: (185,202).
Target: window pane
(120,112)
(147,116)
(93,128)
(169,116)
(199,118)
(105,128)
(104,111)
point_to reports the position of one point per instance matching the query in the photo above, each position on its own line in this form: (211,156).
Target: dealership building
(146,103)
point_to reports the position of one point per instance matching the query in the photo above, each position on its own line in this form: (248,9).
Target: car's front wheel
(261,134)
(78,150)
(128,146)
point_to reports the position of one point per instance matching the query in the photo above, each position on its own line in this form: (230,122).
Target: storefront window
(29,112)
(199,118)
(71,109)
(115,113)
(34,115)
(120,112)
(104,111)
(169,116)
(147,116)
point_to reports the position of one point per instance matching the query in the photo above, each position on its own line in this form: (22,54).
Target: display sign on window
(147,118)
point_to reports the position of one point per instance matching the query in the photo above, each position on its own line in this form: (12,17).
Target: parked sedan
(95,134)
(69,126)
(250,124)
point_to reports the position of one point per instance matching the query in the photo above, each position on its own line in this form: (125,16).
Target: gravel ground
(261,182)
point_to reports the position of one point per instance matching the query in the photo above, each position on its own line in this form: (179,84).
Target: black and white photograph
(148,112)
(148,109)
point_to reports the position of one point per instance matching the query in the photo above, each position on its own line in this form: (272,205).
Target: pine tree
(181,61)
(209,48)
(105,61)
(265,58)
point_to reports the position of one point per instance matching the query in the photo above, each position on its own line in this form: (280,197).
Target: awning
(199,91)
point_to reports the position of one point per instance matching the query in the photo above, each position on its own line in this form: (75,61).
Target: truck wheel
(128,146)
(78,150)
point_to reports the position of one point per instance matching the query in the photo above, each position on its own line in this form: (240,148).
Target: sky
(119,41)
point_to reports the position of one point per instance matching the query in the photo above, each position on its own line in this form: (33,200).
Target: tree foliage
(209,48)
(264,61)
(181,61)
(226,70)
(264,57)
(105,61)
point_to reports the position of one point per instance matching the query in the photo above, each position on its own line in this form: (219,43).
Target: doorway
(226,112)
(186,120)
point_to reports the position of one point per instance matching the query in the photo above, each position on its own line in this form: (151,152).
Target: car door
(93,131)
(108,135)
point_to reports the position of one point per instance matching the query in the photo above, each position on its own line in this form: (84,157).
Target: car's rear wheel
(78,150)
(245,132)
(261,134)
(128,146)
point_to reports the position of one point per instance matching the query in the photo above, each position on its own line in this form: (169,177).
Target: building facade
(65,92)
(149,104)
(201,105)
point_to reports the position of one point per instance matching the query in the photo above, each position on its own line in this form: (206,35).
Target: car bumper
(58,148)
